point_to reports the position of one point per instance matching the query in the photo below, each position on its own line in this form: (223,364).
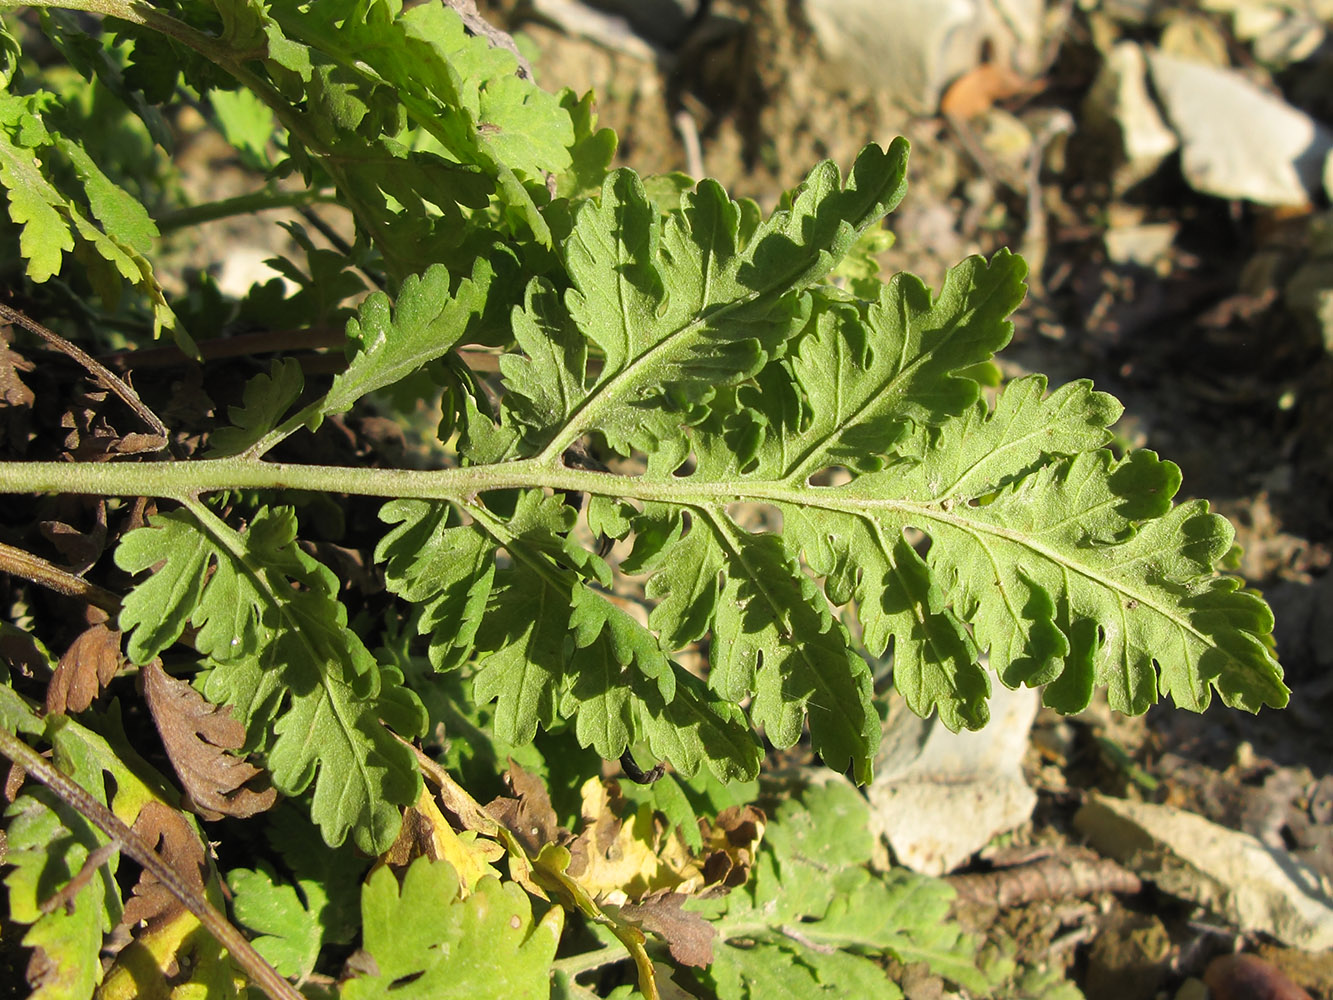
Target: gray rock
(1121,111)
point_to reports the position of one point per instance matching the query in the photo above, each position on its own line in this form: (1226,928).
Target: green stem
(76,797)
(183,480)
(586,961)
(245,204)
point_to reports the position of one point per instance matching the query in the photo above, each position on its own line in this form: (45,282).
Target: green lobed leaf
(813,918)
(680,308)
(280,652)
(285,924)
(426,321)
(266,398)
(426,942)
(959,530)
(549,648)
(54,221)
(1074,571)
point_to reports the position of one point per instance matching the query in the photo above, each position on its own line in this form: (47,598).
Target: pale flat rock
(939,797)
(1237,141)
(1252,885)
(1144,245)
(1119,105)
(1281,31)
(910,50)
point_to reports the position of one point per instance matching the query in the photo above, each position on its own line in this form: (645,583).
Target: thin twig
(76,797)
(33,568)
(102,374)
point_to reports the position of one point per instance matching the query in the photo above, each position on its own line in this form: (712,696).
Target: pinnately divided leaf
(279,651)
(548,646)
(680,309)
(948,530)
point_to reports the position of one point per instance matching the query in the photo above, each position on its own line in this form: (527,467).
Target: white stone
(909,49)
(1119,97)
(1238,141)
(939,797)
(1251,885)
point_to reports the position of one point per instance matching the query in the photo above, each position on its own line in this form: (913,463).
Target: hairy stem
(76,797)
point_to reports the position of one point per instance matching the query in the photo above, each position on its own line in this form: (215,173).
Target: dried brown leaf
(528,815)
(87,666)
(981,88)
(688,936)
(730,845)
(169,835)
(79,548)
(197,736)
(1249,977)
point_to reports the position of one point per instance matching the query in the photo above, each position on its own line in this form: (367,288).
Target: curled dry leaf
(197,736)
(730,844)
(77,527)
(16,398)
(169,835)
(689,937)
(528,815)
(87,666)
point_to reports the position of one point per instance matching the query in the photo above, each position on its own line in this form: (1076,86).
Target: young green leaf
(425,323)
(286,924)
(427,943)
